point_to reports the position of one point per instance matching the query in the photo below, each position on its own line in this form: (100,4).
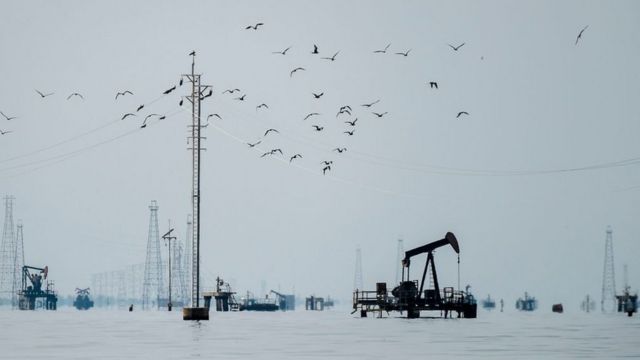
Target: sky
(508,179)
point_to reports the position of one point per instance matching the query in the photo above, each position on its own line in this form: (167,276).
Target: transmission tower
(608,302)
(357,279)
(153,281)
(8,255)
(18,263)
(179,274)
(399,258)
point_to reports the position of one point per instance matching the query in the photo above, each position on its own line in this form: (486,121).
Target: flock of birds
(345,112)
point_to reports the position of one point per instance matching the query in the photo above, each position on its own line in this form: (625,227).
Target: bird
(169,90)
(216,115)
(271,130)
(382,51)
(277,150)
(333,58)
(75,94)
(265,154)
(317,127)
(140,107)
(324,170)
(296,69)
(350,133)
(150,115)
(346,107)
(127,115)
(263,105)
(210,93)
(181,102)
(230,91)
(405,54)
(123,93)
(352,123)
(296,156)
(162,117)
(43,95)
(181,82)
(462,113)
(240,98)
(254,27)
(283,52)
(310,115)
(455,48)
(318,96)
(5,132)
(380,115)
(192,53)
(343,110)
(327,163)
(433,84)
(254,144)
(371,104)
(580,34)
(8,117)
(340,150)
(315,49)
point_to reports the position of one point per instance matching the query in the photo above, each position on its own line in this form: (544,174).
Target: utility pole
(168,238)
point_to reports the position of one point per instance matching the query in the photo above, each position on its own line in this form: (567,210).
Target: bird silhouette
(327,162)
(462,113)
(162,117)
(371,104)
(271,130)
(283,52)
(455,48)
(169,90)
(210,93)
(277,150)
(315,49)
(181,102)
(350,133)
(317,127)
(123,93)
(352,123)
(333,58)
(230,91)
(384,51)
(580,34)
(263,105)
(324,170)
(343,110)
(181,82)
(43,95)
(380,115)
(254,144)
(340,150)
(192,53)
(310,115)
(296,156)
(216,115)
(318,96)
(254,27)
(405,54)
(346,107)
(8,117)
(296,69)
(140,107)
(240,98)
(433,84)
(127,115)
(5,132)
(75,94)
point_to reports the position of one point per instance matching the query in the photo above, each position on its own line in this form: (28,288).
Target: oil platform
(627,302)
(411,295)
(528,303)
(489,303)
(33,296)
(82,301)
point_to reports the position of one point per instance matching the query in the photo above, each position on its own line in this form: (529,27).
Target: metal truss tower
(187,262)
(153,284)
(18,263)
(8,255)
(608,301)
(357,279)
(399,258)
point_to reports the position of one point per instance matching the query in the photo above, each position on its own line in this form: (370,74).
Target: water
(113,334)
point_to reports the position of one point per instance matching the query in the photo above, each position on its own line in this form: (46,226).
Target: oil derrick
(357,279)
(399,260)
(8,248)
(18,262)
(153,284)
(179,276)
(608,301)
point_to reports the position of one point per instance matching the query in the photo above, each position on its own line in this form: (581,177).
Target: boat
(489,303)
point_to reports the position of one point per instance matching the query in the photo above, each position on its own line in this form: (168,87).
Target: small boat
(489,303)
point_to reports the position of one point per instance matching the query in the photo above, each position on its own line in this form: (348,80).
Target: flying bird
(296,156)
(315,49)
(254,27)
(230,91)
(318,96)
(296,69)
(340,150)
(580,34)
(169,90)
(240,98)
(140,107)
(43,95)
(350,133)
(317,127)
(405,54)
(382,51)
(433,84)
(254,144)
(8,117)
(181,81)
(192,53)
(462,113)
(277,150)
(162,117)
(455,48)
(75,94)
(346,107)
(271,130)
(283,52)
(181,102)
(123,93)
(352,123)
(371,104)
(333,58)
(310,115)
(327,163)
(263,105)
(324,170)
(216,115)
(5,132)
(380,115)
(210,93)
(127,115)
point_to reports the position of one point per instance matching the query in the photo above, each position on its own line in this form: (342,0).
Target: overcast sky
(536,102)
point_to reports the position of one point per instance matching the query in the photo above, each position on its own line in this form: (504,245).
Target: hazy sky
(536,101)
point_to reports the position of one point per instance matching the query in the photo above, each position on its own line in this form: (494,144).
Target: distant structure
(153,284)
(19,260)
(399,260)
(608,300)
(10,275)
(188,253)
(528,303)
(357,279)
(588,305)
